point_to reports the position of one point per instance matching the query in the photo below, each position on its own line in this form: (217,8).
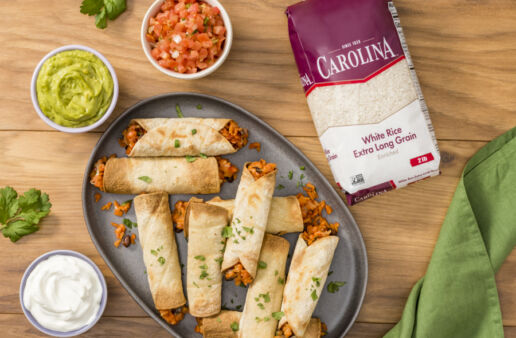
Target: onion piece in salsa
(186,36)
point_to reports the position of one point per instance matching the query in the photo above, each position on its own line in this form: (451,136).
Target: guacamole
(74,88)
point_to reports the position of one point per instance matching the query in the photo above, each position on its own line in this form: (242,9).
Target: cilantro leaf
(277,315)
(19,216)
(101,19)
(114,8)
(18,229)
(91,7)
(8,204)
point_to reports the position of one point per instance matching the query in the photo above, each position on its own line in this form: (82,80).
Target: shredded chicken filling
(97,174)
(227,171)
(316,226)
(179,214)
(130,136)
(260,168)
(174,316)
(239,274)
(234,134)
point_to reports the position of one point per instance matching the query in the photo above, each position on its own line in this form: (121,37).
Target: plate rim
(258,120)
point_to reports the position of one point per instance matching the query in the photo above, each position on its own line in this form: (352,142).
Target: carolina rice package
(364,95)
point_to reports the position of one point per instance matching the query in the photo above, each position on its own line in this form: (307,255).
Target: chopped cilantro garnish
(179,112)
(227,232)
(280,186)
(200,257)
(234,326)
(262,265)
(161,260)
(177,144)
(190,158)
(194,131)
(145,179)
(277,315)
(334,286)
(199,106)
(314,295)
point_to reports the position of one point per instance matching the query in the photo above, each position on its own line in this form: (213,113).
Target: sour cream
(63,293)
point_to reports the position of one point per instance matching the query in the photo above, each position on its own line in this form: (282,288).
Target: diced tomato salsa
(186,36)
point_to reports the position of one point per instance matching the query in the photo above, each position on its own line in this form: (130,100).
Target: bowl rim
(154,8)
(31,318)
(34,95)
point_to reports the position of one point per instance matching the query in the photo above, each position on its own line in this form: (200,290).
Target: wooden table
(466,61)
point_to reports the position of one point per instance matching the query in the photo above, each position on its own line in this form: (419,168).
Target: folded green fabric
(458,297)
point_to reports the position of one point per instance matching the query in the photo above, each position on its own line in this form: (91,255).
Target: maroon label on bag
(364,194)
(334,41)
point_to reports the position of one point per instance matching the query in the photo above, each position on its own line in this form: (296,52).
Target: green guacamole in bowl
(74,88)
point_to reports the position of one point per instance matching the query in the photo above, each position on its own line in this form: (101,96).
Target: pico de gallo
(186,36)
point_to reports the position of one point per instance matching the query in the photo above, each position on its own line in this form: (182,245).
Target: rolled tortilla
(314,329)
(306,278)
(162,133)
(252,206)
(159,250)
(220,326)
(265,293)
(205,248)
(284,215)
(170,175)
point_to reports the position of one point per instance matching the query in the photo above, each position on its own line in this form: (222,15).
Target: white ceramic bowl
(103,300)
(154,9)
(34,96)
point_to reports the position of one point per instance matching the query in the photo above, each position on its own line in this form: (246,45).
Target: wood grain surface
(463,53)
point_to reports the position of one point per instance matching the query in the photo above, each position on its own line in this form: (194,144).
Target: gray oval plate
(338,310)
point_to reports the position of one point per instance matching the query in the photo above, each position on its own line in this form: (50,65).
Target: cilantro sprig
(20,215)
(103,10)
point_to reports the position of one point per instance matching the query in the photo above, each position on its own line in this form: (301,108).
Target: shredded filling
(174,316)
(239,274)
(260,168)
(234,134)
(97,174)
(130,136)
(227,171)
(179,215)
(286,331)
(316,226)
(199,328)
(255,145)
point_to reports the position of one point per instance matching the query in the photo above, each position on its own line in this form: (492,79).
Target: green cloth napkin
(458,297)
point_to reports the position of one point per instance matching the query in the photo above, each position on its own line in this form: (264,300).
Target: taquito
(160,253)
(263,300)
(284,215)
(223,325)
(170,175)
(182,136)
(252,206)
(305,281)
(205,223)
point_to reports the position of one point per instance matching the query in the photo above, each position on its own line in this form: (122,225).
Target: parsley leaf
(281,186)
(200,257)
(199,106)
(20,215)
(334,286)
(262,265)
(201,155)
(91,7)
(177,144)
(161,260)
(194,131)
(290,174)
